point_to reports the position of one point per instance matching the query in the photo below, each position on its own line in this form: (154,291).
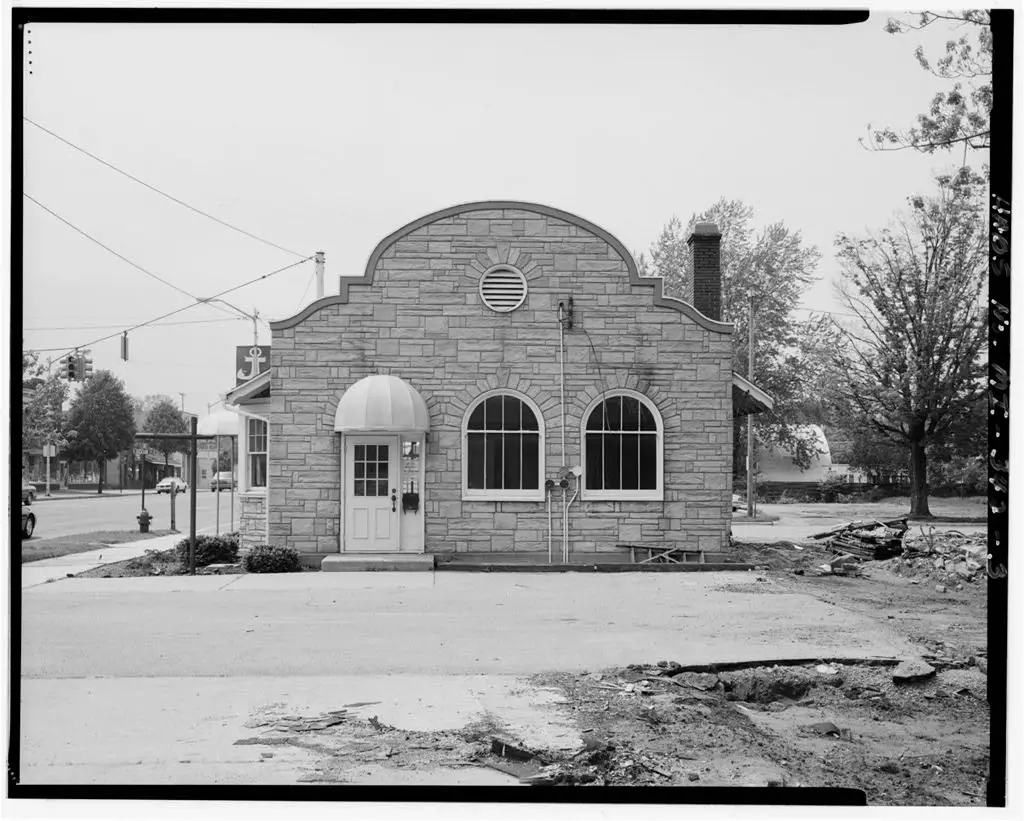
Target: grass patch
(33,550)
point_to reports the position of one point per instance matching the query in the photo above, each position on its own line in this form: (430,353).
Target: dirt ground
(830,723)
(152,563)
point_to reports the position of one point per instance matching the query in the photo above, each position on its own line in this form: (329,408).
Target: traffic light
(124,346)
(85,366)
(71,368)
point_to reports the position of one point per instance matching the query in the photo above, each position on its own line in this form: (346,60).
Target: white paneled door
(372,509)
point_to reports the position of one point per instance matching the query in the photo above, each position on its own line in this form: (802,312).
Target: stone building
(500,380)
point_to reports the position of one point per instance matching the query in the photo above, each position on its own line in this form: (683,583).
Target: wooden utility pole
(751,512)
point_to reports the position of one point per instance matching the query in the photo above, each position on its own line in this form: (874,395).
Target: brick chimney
(707,269)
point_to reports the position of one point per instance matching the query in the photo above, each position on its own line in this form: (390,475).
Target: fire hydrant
(144,520)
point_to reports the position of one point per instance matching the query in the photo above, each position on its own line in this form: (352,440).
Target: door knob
(394,499)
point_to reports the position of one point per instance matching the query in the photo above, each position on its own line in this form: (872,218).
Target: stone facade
(252,520)
(417,314)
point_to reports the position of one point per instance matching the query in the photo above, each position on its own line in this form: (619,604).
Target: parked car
(165,485)
(28,492)
(28,522)
(222,481)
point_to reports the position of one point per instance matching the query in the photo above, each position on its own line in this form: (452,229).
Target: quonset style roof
(488,205)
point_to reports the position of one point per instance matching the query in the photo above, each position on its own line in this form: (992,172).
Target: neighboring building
(775,465)
(488,350)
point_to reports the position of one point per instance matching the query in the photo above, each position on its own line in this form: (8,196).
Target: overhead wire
(158,191)
(135,265)
(156,324)
(155,320)
(110,250)
(306,290)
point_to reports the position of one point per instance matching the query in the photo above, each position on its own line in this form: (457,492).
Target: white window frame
(652,495)
(249,486)
(491,495)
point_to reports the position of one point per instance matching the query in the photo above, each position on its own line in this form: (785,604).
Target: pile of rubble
(867,540)
(950,558)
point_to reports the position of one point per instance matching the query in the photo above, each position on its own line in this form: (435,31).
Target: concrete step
(356,562)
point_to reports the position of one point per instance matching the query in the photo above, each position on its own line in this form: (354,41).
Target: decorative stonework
(252,523)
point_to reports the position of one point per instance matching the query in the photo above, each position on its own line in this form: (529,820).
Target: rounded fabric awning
(221,423)
(382,404)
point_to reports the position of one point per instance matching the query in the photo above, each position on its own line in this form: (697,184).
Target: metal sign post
(174,492)
(216,481)
(48,451)
(231,442)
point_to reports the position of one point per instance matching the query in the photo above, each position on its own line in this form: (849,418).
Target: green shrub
(831,488)
(266,558)
(210,550)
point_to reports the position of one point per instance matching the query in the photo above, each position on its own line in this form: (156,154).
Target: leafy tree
(43,397)
(959,116)
(775,266)
(912,368)
(164,417)
(103,420)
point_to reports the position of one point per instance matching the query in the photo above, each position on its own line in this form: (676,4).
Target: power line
(156,324)
(158,191)
(306,290)
(107,248)
(155,320)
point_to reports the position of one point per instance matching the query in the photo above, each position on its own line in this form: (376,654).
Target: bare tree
(913,366)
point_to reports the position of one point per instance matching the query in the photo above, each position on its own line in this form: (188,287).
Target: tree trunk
(99,474)
(918,479)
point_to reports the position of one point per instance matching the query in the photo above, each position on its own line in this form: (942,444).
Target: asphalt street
(114,511)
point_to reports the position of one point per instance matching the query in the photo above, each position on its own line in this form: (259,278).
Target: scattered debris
(912,670)
(865,540)
(824,728)
(506,750)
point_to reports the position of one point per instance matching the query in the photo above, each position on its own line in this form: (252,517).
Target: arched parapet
(499,208)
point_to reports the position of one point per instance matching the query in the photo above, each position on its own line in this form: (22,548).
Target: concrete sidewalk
(167,679)
(60,567)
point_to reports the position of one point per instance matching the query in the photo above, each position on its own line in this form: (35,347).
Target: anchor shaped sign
(251,361)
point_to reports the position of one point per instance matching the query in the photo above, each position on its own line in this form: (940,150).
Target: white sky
(329,137)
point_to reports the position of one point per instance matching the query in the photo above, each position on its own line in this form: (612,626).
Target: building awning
(747,398)
(221,423)
(382,404)
(256,388)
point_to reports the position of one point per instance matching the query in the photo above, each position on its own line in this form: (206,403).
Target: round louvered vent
(503,289)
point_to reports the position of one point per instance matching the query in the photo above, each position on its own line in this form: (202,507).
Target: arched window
(623,449)
(503,448)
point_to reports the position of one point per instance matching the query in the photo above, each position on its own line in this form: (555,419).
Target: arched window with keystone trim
(623,450)
(503,448)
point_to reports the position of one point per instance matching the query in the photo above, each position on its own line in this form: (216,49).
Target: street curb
(621,567)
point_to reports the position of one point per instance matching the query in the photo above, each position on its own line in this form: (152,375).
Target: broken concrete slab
(912,670)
